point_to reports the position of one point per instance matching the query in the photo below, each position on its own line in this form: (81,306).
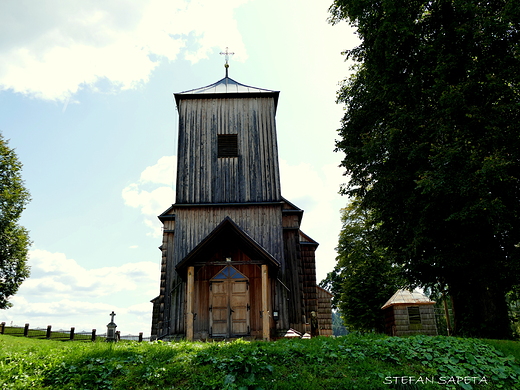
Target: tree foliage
(364,277)
(14,239)
(431,144)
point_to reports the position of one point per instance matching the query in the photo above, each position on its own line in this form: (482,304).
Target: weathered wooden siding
(168,318)
(309,278)
(292,277)
(397,322)
(324,312)
(202,291)
(192,225)
(262,223)
(253,176)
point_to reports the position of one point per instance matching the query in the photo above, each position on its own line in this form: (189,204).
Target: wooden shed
(234,260)
(408,313)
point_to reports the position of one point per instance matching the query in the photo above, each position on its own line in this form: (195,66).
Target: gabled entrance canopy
(227,235)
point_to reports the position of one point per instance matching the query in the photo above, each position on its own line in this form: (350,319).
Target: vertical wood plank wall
(262,223)
(202,176)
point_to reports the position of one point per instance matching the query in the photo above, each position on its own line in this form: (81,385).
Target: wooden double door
(229,304)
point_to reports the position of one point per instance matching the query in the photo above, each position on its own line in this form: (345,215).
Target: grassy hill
(349,362)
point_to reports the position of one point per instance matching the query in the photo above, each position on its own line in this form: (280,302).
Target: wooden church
(234,260)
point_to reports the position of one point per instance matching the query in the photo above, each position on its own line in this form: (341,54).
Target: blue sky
(86,100)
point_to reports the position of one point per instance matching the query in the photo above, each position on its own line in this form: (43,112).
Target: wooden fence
(62,335)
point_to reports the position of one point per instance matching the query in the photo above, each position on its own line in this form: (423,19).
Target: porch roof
(227,233)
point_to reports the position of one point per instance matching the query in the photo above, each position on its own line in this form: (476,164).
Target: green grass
(350,362)
(507,347)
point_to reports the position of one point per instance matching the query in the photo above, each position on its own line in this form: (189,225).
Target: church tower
(234,261)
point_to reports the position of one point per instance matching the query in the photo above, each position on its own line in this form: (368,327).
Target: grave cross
(112,315)
(226,54)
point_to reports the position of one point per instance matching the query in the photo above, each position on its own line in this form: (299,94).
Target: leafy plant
(356,361)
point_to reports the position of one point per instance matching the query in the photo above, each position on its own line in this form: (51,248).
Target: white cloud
(63,294)
(153,192)
(150,202)
(50,49)
(54,274)
(162,172)
(62,308)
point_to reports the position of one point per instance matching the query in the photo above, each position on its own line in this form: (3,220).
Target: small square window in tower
(227,145)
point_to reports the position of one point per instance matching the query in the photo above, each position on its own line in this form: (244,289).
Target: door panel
(229,304)
(219,314)
(239,303)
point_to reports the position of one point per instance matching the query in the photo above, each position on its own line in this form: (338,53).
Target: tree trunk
(479,311)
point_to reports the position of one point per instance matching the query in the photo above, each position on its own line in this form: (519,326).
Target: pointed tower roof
(403,297)
(227,87)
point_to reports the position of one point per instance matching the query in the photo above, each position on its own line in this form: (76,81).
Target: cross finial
(226,54)
(112,315)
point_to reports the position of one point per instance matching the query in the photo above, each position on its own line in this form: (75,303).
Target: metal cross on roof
(226,54)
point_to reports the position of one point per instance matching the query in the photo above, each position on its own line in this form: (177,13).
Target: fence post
(2,328)
(140,337)
(48,335)
(93,335)
(72,333)
(26,330)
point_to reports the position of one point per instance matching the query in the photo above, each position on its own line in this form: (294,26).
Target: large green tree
(365,276)
(14,239)
(431,144)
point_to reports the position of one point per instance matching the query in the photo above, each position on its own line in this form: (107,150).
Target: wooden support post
(26,330)
(2,328)
(72,330)
(140,337)
(48,334)
(265,304)
(93,338)
(189,303)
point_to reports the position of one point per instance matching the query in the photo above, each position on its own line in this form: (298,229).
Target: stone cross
(111,328)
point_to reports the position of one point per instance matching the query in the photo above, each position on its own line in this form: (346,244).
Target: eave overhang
(226,88)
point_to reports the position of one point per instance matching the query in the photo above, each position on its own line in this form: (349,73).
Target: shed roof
(225,88)
(404,297)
